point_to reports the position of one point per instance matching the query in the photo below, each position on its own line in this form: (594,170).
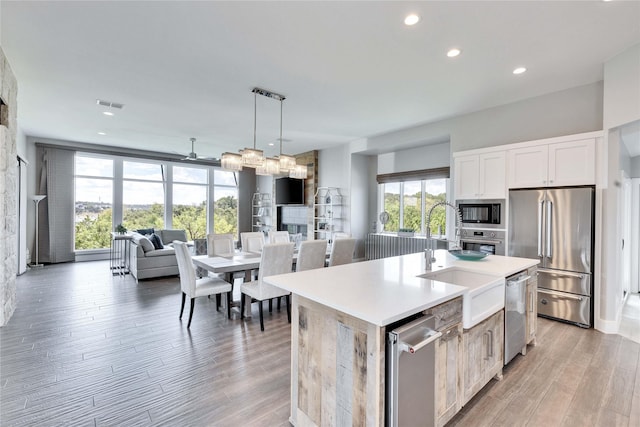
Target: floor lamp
(37,199)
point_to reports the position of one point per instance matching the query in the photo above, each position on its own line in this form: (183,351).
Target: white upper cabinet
(550,165)
(480,176)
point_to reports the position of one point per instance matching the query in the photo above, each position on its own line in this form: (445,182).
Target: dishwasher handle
(518,280)
(413,347)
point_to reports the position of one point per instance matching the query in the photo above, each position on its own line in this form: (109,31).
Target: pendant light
(252,157)
(286,162)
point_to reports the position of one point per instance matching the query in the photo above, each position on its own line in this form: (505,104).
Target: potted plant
(406,232)
(121,229)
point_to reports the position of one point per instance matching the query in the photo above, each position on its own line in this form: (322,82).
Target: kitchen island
(340,316)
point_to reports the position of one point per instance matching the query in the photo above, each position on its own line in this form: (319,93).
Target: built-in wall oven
(488,241)
(482,213)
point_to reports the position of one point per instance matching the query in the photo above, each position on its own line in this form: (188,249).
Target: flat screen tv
(289,191)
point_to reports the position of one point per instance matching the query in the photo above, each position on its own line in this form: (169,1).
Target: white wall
(567,112)
(635,167)
(622,88)
(359,203)
(621,106)
(425,157)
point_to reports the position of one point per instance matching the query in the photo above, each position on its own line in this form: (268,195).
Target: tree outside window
(93,202)
(410,210)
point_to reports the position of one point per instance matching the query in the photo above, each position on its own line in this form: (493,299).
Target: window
(225,206)
(435,191)
(93,202)
(190,201)
(391,193)
(410,211)
(142,195)
(112,190)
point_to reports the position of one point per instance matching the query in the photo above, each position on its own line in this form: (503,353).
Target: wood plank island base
(340,318)
(337,367)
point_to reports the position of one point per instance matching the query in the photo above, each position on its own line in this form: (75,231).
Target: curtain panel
(55,169)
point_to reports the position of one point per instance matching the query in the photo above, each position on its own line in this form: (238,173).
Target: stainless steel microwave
(482,213)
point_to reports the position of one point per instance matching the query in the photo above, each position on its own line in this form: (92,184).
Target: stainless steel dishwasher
(515,315)
(411,373)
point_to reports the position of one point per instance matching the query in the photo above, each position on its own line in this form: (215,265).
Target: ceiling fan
(193,156)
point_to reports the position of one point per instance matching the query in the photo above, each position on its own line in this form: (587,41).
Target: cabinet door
(474,343)
(532,310)
(466,177)
(483,354)
(494,360)
(492,173)
(572,163)
(449,370)
(528,167)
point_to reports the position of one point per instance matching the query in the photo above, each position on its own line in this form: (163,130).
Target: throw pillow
(146,231)
(146,244)
(156,240)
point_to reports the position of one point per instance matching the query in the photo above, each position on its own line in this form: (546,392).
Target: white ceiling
(349,70)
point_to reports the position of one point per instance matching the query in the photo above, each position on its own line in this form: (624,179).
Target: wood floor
(90,349)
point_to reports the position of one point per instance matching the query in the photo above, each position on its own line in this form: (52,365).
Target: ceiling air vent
(109,104)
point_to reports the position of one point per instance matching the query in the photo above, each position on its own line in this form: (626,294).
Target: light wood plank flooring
(90,349)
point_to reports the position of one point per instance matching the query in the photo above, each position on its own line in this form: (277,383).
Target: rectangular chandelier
(231,162)
(298,172)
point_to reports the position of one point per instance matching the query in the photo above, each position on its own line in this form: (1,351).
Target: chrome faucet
(429,251)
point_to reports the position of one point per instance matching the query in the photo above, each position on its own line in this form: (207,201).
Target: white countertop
(387,290)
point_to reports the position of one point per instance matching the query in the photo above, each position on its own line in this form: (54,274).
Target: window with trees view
(147,194)
(225,207)
(410,210)
(190,201)
(143,195)
(93,202)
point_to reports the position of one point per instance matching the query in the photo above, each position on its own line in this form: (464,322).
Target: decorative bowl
(467,255)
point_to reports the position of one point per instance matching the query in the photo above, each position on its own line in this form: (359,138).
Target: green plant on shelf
(121,229)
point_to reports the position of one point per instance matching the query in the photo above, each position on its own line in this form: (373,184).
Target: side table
(119,253)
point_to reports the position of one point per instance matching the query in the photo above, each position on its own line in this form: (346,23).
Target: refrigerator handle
(549,251)
(540,213)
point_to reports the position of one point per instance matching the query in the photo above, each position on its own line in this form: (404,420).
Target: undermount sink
(485,294)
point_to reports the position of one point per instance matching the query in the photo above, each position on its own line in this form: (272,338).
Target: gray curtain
(56,215)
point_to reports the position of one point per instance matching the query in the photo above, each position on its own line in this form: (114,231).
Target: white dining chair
(342,252)
(279,237)
(312,255)
(341,235)
(192,287)
(220,244)
(277,258)
(252,241)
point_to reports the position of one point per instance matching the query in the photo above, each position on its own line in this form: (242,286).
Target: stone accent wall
(8,194)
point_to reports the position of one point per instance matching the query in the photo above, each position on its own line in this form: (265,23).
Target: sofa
(147,260)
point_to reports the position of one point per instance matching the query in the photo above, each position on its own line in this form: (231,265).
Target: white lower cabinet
(482,348)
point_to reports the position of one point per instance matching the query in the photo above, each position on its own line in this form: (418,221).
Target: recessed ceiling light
(519,70)
(271,144)
(101,133)
(107,113)
(453,52)
(412,19)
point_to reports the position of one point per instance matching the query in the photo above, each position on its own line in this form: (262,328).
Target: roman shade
(418,175)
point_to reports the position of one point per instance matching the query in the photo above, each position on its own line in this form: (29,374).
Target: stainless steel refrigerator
(555,225)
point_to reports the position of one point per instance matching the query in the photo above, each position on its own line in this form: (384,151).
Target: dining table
(229,265)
